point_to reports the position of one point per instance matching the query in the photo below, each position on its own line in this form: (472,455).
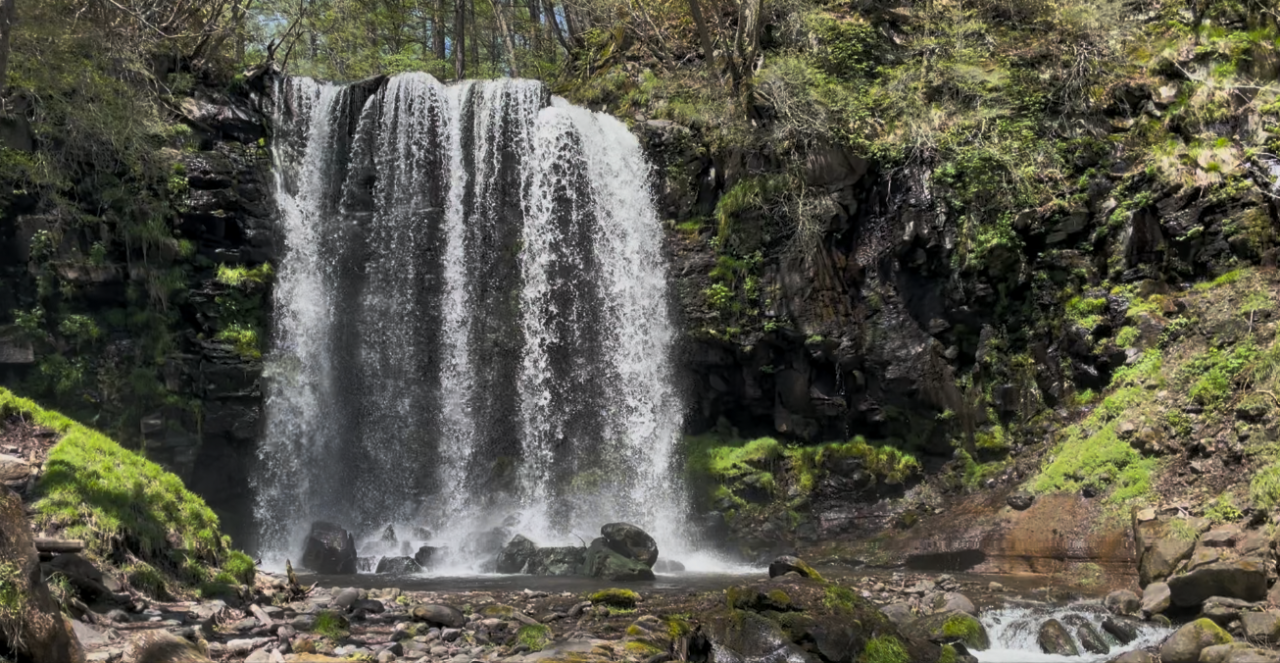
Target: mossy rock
(534,636)
(497,610)
(952,626)
(615,597)
(810,619)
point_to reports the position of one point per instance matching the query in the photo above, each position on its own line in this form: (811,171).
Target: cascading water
(1013,631)
(471,320)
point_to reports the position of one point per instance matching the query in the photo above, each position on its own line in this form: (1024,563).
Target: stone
(1135,656)
(1163,556)
(87,580)
(1090,640)
(1242,579)
(46,636)
(1054,638)
(899,613)
(631,542)
(954,602)
(1223,610)
(398,566)
(164,647)
(1155,598)
(346,598)
(1222,537)
(952,627)
(1263,627)
(789,564)
(600,561)
(1221,653)
(440,615)
(14,471)
(1123,602)
(330,550)
(1123,629)
(1185,645)
(1020,501)
(668,566)
(515,556)
(426,556)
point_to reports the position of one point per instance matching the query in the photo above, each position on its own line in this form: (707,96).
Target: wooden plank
(45,545)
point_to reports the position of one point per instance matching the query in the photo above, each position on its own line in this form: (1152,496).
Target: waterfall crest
(471,322)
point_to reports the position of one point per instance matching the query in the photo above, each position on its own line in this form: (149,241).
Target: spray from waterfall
(471,322)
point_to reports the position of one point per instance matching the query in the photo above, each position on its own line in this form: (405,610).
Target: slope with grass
(131,513)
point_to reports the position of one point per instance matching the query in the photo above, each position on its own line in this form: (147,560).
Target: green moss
(678,626)
(641,649)
(1226,279)
(1127,337)
(240,566)
(1264,488)
(497,610)
(534,636)
(144,578)
(779,597)
(1086,311)
(331,625)
(238,276)
(948,655)
(884,649)
(840,598)
(1220,635)
(621,598)
(962,626)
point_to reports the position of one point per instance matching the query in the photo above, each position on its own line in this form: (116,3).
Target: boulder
(1123,629)
(949,627)
(668,566)
(1163,556)
(1242,579)
(330,550)
(557,561)
(953,602)
(36,630)
(900,614)
(1223,610)
(1053,638)
(514,557)
(1123,602)
(1185,645)
(164,647)
(631,542)
(1135,656)
(439,615)
(399,565)
(1221,653)
(1262,627)
(427,556)
(601,561)
(1091,640)
(789,564)
(14,472)
(1020,501)
(87,580)
(1155,598)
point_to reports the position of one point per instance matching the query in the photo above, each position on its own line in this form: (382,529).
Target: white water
(1013,632)
(472,325)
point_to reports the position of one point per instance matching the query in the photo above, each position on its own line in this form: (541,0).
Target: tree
(7,16)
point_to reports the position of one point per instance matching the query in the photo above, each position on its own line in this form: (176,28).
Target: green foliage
(836,597)
(146,579)
(1183,530)
(1101,460)
(884,649)
(962,626)
(1226,279)
(1223,510)
(239,276)
(616,597)
(244,338)
(240,567)
(948,655)
(1086,311)
(1264,488)
(79,329)
(222,586)
(331,625)
(1128,337)
(534,636)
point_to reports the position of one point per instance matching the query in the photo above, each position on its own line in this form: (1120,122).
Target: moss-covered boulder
(600,561)
(803,619)
(950,627)
(1185,645)
(31,624)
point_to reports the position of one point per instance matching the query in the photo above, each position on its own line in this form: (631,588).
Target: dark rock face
(426,556)
(330,550)
(1020,500)
(789,564)
(515,556)
(631,542)
(1244,579)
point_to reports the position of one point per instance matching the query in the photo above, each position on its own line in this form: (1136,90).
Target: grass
(1264,488)
(534,636)
(239,276)
(331,625)
(122,504)
(884,649)
(621,598)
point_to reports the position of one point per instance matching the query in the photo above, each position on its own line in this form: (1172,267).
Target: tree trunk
(535,26)
(475,35)
(459,40)
(704,34)
(507,40)
(555,28)
(437,30)
(7,18)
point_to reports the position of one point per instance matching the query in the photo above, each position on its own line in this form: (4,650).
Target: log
(59,545)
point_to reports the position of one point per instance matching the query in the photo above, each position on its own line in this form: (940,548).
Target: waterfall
(1013,631)
(471,322)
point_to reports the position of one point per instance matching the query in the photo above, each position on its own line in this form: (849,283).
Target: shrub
(1264,489)
(885,649)
(240,566)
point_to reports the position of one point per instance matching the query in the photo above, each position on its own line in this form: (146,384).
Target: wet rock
(1155,598)
(439,615)
(515,556)
(398,565)
(1091,640)
(1242,579)
(1123,602)
(668,566)
(900,614)
(345,598)
(1053,638)
(557,561)
(1123,629)
(951,627)
(426,556)
(330,550)
(1136,656)
(1185,645)
(600,561)
(789,564)
(1263,627)
(1020,500)
(631,542)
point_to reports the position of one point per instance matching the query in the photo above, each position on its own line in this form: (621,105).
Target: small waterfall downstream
(1014,629)
(471,320)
